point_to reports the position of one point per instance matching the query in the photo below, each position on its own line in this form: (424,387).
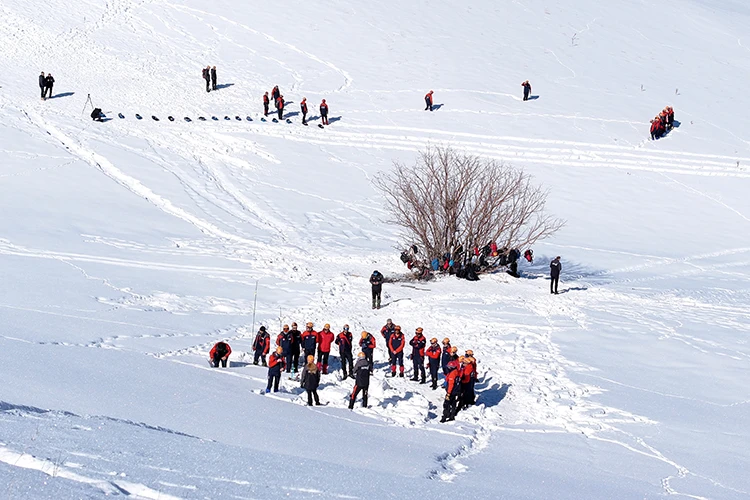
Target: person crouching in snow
(275,366)
(310,381)
(428,101)
(220,354)
(261,345)
(361,380)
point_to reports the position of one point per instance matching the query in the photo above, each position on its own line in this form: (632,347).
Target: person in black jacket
(41,85)
(48,83)
(361,380)
(526,90)
(284,340)
(265,104)
(376,280)
(554,273)
(213,78)
(296,342)
(207,77)
(344,341)
(310,381)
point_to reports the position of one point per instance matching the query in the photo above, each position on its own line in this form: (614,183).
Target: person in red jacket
(396,344)
(468,377)
(309,340)
(428,100)
(303,109)
(324,112)
(452,392)
(275,367)
(280,106)
(325,339)
(220,354)
(344,341)
(266,101)
(657,128)
(261,344)
(526,90)
(275,93)
(434,354)
(417,344)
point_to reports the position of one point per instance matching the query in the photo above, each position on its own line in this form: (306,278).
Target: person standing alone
(554,273)
(376,280)
(213,78)
(324,112)
(303,108)
(526,90)
(428,101)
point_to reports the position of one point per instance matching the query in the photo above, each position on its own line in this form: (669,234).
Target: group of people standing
(460,372)
(45,85)
(662,123)
(279,104)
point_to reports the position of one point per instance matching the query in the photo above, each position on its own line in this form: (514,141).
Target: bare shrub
(449,202)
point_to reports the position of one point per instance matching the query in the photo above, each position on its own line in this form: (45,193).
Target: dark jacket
(417,345)
(387,331)
(296,340)
(213,74)
(262,342)
(309,340)
(554,268)
(303,107)
(206,75)
(376,280)
(367,344)
(344,341)
(362,373)
(49,81)
(310,380)
(397,342)
(285,341)
(41,81)
(446,356)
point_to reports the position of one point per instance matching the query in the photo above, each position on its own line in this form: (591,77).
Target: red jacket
(265,99)
(367,342)
(279,103)
(325,338)
(323,108)
(453,378)
(275,360)
(213,350)
(428,97)
(468,372)
(262,341)
(397,342)
(434,352)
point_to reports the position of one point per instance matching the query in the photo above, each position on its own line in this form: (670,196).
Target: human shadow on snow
(493,395)
(435,107)
(223,85)
(64,94)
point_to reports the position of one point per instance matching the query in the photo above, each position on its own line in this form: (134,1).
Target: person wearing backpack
(361,380)
(220,354)
(344,341)
(376,280)
(275,366)
(261,345)
(310,380)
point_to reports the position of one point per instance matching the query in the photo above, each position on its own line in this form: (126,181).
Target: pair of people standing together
(209,74)
(45,85)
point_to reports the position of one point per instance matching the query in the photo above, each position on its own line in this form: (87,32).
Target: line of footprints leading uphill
(214,118)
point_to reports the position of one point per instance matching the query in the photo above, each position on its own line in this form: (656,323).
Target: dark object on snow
(170,118)
(320,125)
(120,115)
(248,118)
(97,114)
(226,117)
(529,255)
(202,118)
(153,117)
(187,119)
(554,273)
(213,78)
(275,120)
(238,118)
(139,117)
(262,119)
(214,118)
(288,120)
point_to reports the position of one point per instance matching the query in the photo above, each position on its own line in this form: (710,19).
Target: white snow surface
(128,248)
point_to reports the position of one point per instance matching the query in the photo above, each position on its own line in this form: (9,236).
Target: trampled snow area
(128,248)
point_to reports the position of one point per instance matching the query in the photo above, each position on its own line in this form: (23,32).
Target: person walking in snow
(386,332)
(396,344)
(324,112)
(261,345)
(49,82)
(361,380)
(265,104)
(284,340)
(303,109)
(446,355)
(367,344)
(526,90)
(452,391)
(433,354)
(428,100)
(220,354)
(280,106)
(296,343)
(41,86)
(207,77)
(309,340)
(275,366)
(310,380)
(554,273)
(418,343)
(213,78)
(325,339)
(376,280)
(344,341)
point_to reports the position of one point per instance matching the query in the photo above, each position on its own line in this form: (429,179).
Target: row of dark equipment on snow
(466,264)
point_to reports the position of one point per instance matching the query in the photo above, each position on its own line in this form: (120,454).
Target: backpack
(404,257)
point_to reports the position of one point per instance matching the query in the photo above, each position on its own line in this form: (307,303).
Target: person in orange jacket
(325,339)
(434,354)
(417,344)
(261,345)
(266,101)
(220,354)
(324,112)
(428,100)
(452,391)
(275,367)
(367,344)
(396,344)
(280,106)
(468,378)
(303,109)
(526,90)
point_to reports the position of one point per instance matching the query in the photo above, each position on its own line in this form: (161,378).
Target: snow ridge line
(449,464)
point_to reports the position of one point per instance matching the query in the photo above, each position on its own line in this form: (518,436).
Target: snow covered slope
(127,248)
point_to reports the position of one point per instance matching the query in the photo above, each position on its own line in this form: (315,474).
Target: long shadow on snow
(334,119)
(64,94)
(493,395)
(435,107)
(224,85)
(571,271)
